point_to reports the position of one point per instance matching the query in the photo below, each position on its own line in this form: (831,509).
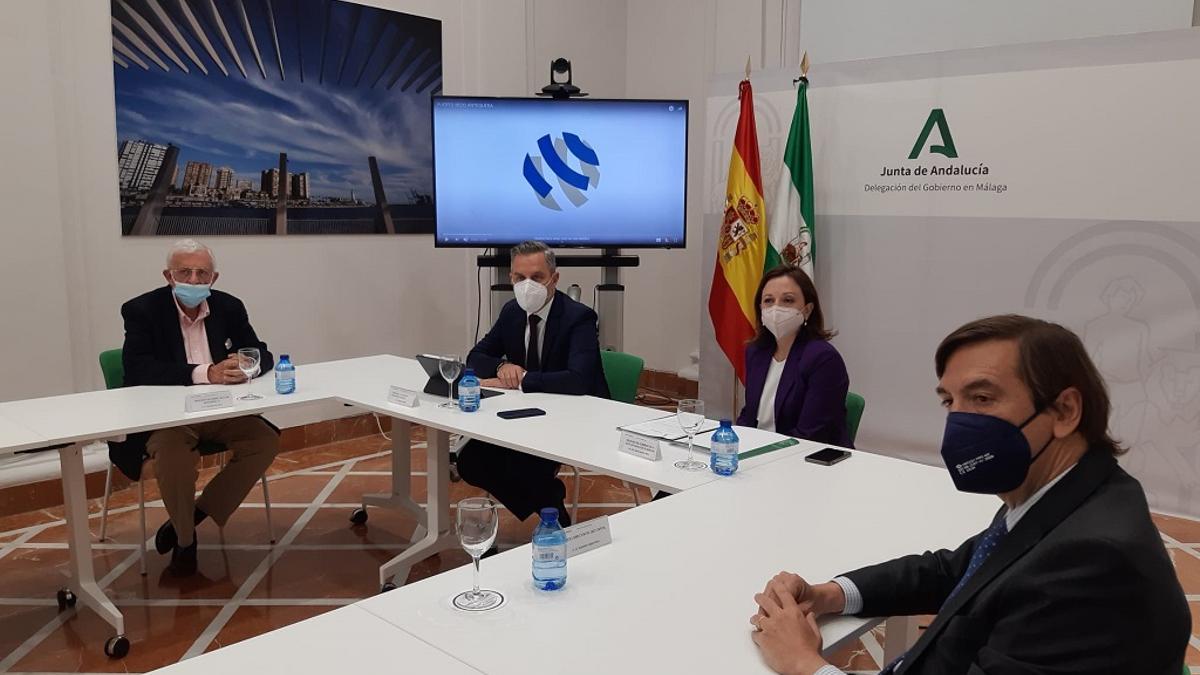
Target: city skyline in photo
(342,89)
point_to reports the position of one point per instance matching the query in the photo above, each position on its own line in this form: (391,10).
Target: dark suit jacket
(570,349)
(1081,585)
(153,353)
(811,400)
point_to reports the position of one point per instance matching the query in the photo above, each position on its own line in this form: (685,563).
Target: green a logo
(936,116)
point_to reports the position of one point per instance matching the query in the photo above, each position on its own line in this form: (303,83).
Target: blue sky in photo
(327,129)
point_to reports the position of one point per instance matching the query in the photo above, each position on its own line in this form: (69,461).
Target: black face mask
(986,454)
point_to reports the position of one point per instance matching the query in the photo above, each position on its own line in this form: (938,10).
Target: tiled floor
(321,561)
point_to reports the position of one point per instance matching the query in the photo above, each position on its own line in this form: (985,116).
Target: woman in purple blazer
(796,382)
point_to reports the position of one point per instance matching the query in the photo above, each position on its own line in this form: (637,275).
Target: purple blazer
(811,400)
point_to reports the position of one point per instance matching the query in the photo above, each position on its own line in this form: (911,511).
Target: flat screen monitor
(587,173)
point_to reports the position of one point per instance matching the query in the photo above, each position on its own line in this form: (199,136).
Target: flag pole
(733,395)
(733,388)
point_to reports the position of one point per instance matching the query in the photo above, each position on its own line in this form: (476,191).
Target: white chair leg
(104,505)
(575,502)
(637,496)
(267,508)
(142,514)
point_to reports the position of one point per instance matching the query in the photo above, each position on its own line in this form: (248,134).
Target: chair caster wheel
(116,647)
(359,517)
(66,599)
(387,586)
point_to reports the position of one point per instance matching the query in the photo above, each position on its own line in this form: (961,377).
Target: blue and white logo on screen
(558,154)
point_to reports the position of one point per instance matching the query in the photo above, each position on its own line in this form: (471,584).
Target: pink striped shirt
(195,342)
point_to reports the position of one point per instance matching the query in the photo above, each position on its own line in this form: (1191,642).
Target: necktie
(533,355)
(983,548)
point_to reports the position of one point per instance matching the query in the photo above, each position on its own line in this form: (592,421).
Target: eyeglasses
(186,275)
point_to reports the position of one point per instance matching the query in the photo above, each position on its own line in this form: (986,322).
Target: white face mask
(530,295)
(782,321)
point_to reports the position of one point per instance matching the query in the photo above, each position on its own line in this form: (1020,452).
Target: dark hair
(814,327)
(1050,359)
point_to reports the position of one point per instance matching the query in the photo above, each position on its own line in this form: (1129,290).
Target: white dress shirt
(544,313)
(766,403)
(854,600)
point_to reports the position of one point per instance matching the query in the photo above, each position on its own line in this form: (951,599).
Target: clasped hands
(786,622)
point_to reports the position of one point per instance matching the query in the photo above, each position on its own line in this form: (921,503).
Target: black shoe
(166,539)
(183,561)
(490,552)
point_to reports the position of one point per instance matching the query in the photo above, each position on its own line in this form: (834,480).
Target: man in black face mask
(1071,576)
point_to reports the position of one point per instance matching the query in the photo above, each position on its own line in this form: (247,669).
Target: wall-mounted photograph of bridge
(256,117)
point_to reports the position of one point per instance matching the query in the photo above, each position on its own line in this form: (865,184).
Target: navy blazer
(570,349)
(154,354)
(1081,586)
(811,400)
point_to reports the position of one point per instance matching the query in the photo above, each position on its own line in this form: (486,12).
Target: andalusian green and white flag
(791,222)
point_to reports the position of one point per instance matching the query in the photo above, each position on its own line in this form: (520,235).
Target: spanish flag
(742,248)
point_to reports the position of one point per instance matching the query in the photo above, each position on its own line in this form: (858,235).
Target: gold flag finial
(804,65)
(747,67)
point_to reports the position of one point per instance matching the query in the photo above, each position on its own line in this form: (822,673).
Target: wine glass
(248,360)
(450,367)
(477,522)
(690,415)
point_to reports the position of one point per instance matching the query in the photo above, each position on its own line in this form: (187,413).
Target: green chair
(113,369)
(622,371)
(854,412)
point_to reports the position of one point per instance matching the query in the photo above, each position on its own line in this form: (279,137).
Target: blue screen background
(482,196)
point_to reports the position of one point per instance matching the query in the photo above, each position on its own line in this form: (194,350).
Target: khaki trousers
(252,444)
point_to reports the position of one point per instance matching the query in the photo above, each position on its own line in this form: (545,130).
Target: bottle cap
(284,357)
(726,424)
(468,371)
(549,514)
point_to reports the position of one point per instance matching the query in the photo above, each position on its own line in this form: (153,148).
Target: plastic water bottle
(468,391)
(549,552)
(285,376)
(724,459)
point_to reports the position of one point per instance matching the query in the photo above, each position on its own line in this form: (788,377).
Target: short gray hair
(531,247)
(186,246)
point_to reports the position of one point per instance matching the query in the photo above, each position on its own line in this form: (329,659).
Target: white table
(578,430)
(71,421)
(674,591)
(15,437)
(345,639)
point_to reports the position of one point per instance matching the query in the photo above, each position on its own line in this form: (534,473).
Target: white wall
(65,269)
(35,328)
(847,30)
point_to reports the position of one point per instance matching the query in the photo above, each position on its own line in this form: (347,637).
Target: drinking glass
(690,415)
(450,366)
(477,521)
(248,360)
